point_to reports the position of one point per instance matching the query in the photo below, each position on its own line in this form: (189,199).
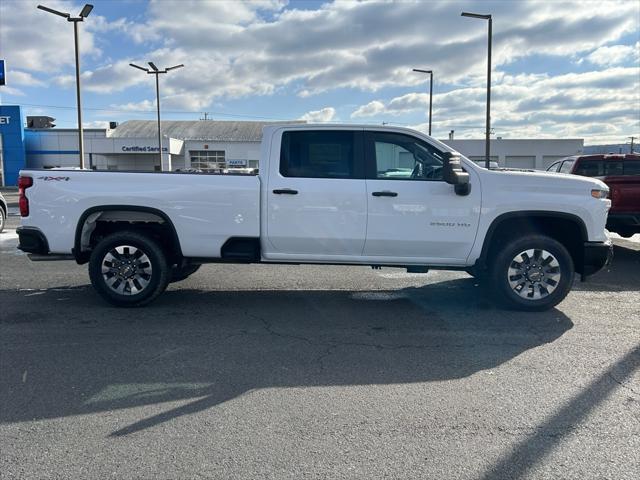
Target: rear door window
(566,166)
(632,167)
(554,167)
(599,168)
(322,154)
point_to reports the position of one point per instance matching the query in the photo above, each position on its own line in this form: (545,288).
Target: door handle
(285,191)
(385,193)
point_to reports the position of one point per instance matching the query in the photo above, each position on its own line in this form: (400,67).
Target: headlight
(598,193)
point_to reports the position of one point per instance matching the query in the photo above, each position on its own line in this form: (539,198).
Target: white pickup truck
(356,195)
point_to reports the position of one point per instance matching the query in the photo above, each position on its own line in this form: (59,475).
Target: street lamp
(156,71)
(430,72)
(488,127)
(84,13)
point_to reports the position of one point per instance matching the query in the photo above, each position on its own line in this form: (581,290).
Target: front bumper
(596,256)
(623,220)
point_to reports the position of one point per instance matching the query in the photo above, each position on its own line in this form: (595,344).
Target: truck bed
(204,209)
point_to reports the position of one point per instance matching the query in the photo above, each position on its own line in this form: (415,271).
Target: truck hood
(546,180)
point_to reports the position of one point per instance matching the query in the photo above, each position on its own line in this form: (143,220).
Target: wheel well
(566,229)
(98,222)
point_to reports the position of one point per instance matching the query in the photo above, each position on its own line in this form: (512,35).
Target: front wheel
(532,273)
(2,219)
(128,269)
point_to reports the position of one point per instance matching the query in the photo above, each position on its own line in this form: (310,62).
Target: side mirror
(453,174)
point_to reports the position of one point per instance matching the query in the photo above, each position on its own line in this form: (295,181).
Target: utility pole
(632,139)
(206,116)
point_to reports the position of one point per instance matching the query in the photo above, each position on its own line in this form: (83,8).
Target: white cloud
(35,40)
(23,79)
(13,91)
(361,45)
(107,78)
(260,48)
(615,54)
(369,110)
(324,115)
(601,105)
(143,106)
(96,124)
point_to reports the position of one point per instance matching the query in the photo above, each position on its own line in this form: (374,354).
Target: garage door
(520,161)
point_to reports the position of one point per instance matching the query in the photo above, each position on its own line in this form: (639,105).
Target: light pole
(84,13)
(155,71)
(488,127)
(430,72)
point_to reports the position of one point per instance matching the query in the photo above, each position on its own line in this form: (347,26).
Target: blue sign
(13,151)
(2,75)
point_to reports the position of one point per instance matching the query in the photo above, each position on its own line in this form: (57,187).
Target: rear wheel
(532,273)
(2,219)
(128,269)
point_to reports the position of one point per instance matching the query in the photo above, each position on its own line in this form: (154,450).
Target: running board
(35,257)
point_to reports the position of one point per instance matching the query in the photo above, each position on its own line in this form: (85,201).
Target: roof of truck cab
(213,130)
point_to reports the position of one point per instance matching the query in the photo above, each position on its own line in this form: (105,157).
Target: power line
(236,115)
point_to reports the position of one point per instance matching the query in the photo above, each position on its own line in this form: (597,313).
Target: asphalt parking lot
(316,372)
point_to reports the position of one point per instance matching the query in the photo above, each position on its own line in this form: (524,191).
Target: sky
(559,69)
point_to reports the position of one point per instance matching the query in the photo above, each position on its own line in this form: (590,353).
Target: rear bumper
(32,240)
(596,256)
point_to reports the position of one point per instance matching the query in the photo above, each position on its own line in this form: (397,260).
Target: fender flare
(526,214)
(82,257)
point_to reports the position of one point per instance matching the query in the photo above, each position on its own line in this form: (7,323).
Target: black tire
(534,281)
(2,219)
(136,252)
(180,273)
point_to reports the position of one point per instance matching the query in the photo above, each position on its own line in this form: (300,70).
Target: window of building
(207,160)
(319,154)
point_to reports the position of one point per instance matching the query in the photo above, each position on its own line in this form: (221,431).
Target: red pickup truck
(621,172)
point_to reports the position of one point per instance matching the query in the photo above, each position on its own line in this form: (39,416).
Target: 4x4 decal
(57,179)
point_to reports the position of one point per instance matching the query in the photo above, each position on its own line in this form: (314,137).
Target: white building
(133,145)
(212,145)
(518,153)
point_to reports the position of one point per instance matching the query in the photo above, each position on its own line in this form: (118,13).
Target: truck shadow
(206,347)
(622,275)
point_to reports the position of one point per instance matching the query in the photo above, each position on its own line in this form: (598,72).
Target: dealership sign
(5,120)
(236,163)
(139,149)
